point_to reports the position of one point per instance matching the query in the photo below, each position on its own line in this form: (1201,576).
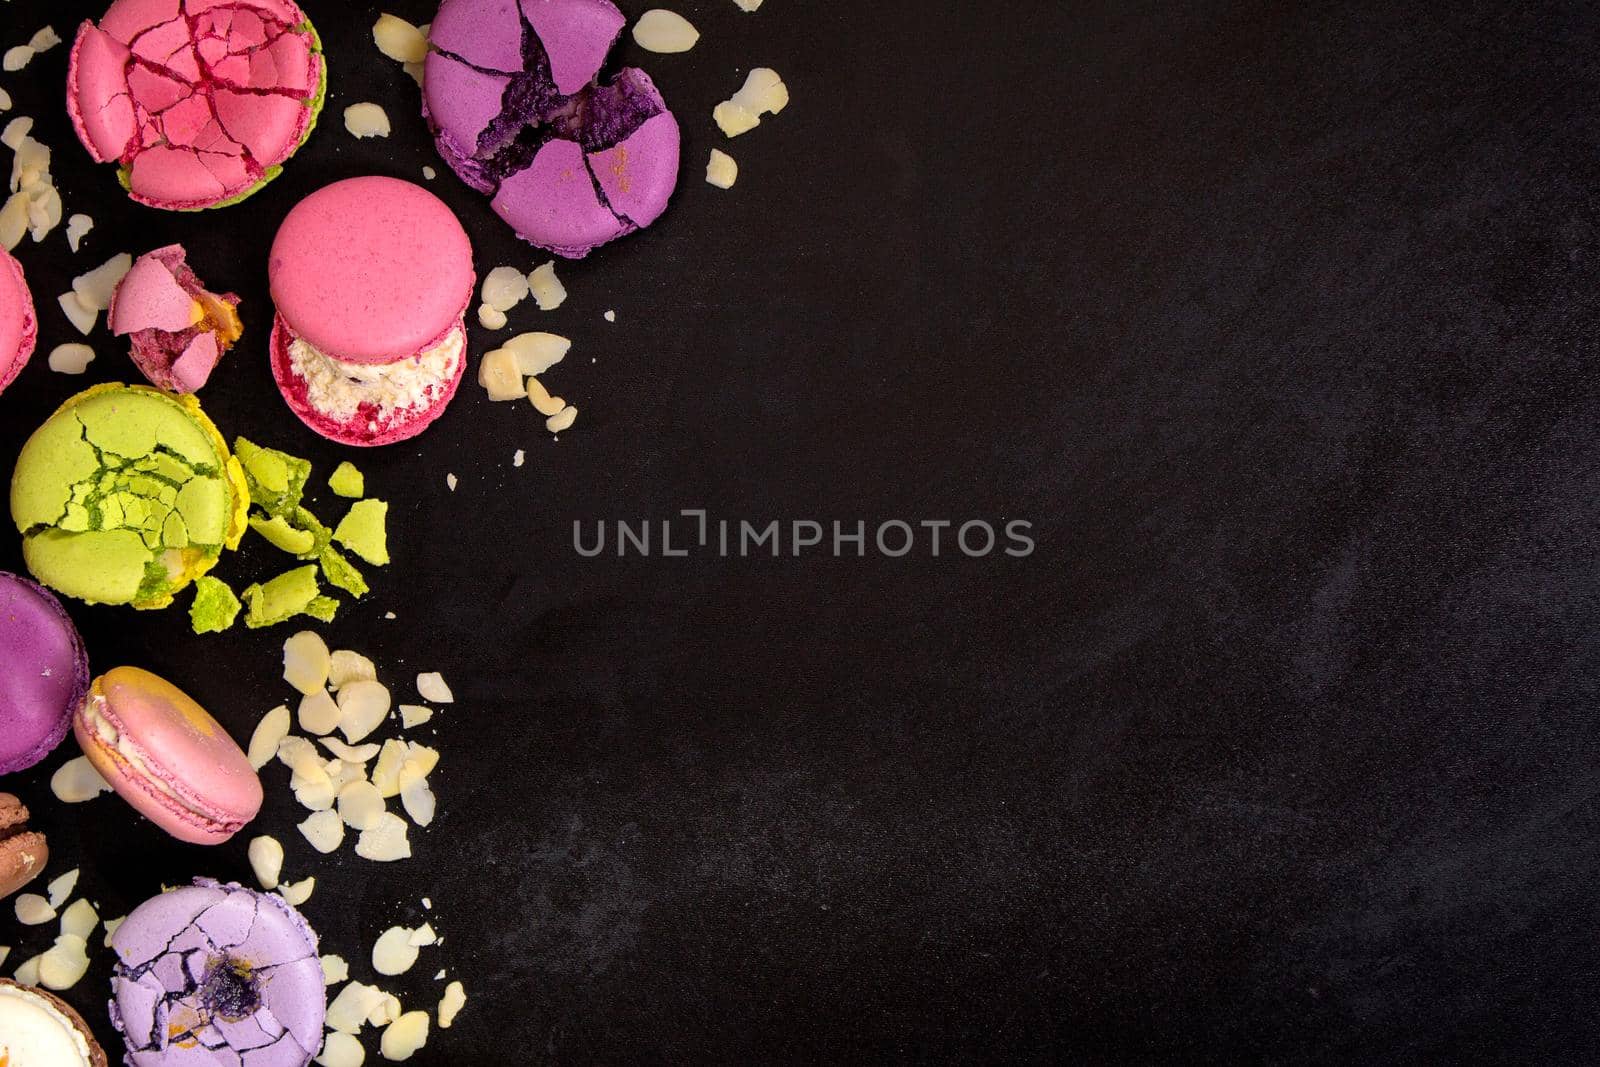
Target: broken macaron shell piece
(126,495)
(511,94)
(371,278)
(44,672)
(214,973)
(198,102)
(167,757)
(19,327)
(37,1027)
(23,851)
(178,330)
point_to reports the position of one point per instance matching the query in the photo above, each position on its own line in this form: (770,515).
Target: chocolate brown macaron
(23,852)
(38,1028)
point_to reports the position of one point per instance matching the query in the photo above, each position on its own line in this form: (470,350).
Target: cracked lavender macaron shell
(19,327)
(44,672)
(212,968)
(510,93)
(167,757)
(199,102)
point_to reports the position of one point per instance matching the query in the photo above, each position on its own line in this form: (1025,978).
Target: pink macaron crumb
(178,329)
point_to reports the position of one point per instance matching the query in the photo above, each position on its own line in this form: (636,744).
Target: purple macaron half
(215,973)
(510,90)
(44,672)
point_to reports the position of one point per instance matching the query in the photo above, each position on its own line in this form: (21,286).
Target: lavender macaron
(44,673)
(510,90)
(212,974)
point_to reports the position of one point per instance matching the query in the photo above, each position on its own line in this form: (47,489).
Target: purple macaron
(217,974)
(44,673)
(511,94)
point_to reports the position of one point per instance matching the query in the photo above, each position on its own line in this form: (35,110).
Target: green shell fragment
(347,481)
(125,495)
(281,599)
(364,531)
(341,573)
(323,608)
(282,535)
(277,480)
(215,607)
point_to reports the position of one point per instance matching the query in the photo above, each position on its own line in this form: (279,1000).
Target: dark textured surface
(1277,324)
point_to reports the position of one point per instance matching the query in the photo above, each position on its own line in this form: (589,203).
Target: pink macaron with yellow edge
(164,754)
(371,277)
(19,329)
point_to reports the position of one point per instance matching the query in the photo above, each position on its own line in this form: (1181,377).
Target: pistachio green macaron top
(126,495)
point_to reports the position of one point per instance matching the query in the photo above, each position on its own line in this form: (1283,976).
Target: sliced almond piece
(306,662)
(346,667)
(666,32)
(504,288)
(547,290)
(431,687)
(399,39)
(366,120)
(361,806)
(538,351)
(362,707)
(64,964)
(414,715)
(324,830)
(297,893)
(450,1005)
(347,1013)
(76,781)
(386,774)
(80,919)
(33,910)
(499,375)
(393,953)
(334,969)
(385,841)
(722,171)
(404,1037)
(351,754)
(266,860)
(60,889)
(269,733)
(318,713)
(542,401)
(95,287)
(341,1050)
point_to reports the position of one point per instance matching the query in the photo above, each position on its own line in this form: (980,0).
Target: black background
(1278,325)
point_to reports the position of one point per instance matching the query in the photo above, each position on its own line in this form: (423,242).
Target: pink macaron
(165,755)
(371,278)
(19,329)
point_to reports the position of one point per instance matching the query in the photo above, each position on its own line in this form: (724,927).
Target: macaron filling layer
(385,391)
(198,102)
(512,95)
(125,495)
(113,743)
(34,1031)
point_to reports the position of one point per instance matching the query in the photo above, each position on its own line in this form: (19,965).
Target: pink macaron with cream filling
(19,328)
(371,277)
(164,754)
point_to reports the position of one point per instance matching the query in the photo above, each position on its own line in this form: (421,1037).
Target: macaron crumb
(76,781)
(547,290)
(364,531)
(722,171)
(347,481)
(215,607)
(78,227)
(366,120)
(71,358)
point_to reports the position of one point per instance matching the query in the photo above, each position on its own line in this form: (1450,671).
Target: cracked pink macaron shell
(208,791)
(151,301)
(371,270)
(19,328)
(131,95)
(356,431)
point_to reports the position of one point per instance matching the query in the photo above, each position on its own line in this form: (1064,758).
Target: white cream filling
(106,731)
(33,1033)
(338,389)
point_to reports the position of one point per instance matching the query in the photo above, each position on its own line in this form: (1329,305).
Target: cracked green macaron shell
(126,495)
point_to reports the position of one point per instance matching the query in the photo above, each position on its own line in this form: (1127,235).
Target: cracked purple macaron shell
(511,96)
(215,973)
